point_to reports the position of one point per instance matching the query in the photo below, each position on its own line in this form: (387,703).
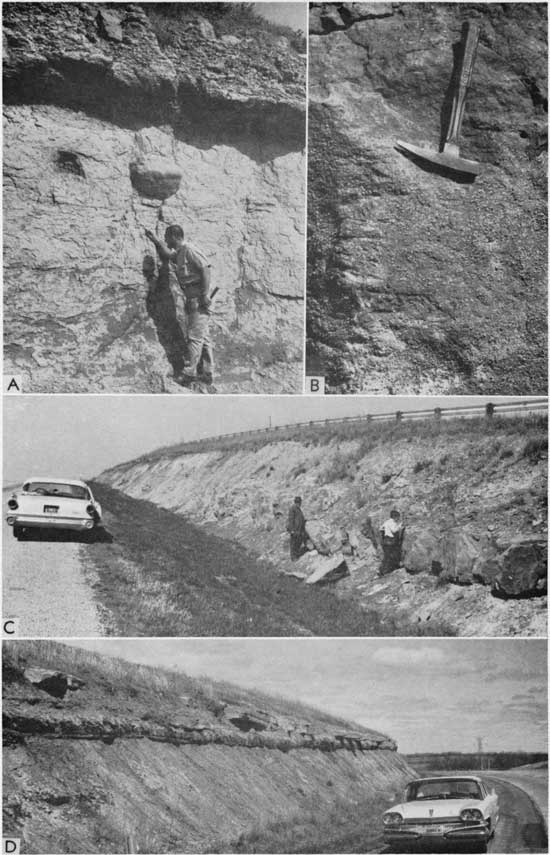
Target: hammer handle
(471,37)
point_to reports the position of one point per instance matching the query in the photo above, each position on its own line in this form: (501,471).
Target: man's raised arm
(164,252)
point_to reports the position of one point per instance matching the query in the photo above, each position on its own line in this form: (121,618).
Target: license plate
(51,509)
(434,829)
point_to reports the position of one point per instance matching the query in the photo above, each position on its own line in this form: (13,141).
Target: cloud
(409,655)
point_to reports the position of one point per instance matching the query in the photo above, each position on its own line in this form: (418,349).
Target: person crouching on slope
(193,275)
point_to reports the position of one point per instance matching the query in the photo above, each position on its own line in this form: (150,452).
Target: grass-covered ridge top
(228,19)
(118,686)
(369,434)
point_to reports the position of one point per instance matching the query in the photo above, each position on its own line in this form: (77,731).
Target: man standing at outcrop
(193,275)
(391,533)
(296,527)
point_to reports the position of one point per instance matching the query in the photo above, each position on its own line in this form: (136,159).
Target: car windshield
(65,491)
(442,788)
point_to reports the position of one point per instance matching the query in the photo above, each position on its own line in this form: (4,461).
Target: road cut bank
(472,498)
(89,758)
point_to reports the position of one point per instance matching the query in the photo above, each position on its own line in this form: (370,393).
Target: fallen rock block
(328,569)
(319,537)
(155,177)
(421,553)
(523,571)
(54,682)
(459,556)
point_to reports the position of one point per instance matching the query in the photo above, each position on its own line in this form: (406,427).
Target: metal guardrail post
(489,410)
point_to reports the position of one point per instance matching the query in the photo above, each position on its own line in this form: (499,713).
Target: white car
(443,811)
(53,503)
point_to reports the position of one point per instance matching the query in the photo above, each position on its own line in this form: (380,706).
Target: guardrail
(488,410)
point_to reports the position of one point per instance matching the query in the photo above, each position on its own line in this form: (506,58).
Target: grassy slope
(113,683)
(162,576)
(371,434)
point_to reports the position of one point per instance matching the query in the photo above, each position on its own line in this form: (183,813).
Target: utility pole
(480,751)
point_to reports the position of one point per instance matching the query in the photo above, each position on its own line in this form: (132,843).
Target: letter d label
(10,846)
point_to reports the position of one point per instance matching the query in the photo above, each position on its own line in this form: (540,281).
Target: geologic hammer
(449,157)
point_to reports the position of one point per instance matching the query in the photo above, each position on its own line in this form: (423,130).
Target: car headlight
(12,504)
(90,510)
(392,819)
(471,815)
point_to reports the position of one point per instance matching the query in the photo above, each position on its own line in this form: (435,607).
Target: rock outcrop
(117,122)
(474,505)
(121,757)
(419,282)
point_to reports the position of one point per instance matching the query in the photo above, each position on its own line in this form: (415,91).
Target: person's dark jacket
(296,520)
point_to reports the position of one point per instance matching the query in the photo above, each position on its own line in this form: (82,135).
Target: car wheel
(480,847)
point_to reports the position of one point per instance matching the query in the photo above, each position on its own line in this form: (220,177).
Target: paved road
(44,585)
(521,826)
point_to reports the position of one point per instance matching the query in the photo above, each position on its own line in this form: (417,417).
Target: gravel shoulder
(46,587)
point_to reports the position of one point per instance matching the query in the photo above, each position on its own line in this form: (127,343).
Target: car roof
(70,481)
(447,778)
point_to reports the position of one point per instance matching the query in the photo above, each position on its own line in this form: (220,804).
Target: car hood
(434,808)
(29,503)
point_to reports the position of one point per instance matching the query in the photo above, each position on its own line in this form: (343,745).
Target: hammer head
(442,158)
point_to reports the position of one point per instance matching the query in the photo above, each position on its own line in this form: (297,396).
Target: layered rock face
(420,281)
(107,133)
(474,508)
(105,764)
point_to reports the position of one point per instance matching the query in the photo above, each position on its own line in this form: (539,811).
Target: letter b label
(315,385)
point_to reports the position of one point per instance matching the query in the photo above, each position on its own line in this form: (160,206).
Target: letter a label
(13,384)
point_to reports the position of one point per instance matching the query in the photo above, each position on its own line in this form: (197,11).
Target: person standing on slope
(193,275)
(391,534)
(296,527)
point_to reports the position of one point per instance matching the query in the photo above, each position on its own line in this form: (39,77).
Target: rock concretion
(155,178)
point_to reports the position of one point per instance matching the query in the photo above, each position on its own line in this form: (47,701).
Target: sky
(290,14)
(427,694)
(78,436)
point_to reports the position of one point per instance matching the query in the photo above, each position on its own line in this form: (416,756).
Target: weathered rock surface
(107,134)
(418,282)
(467,499)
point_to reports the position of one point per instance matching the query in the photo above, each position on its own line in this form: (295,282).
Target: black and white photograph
(274,442)
(276,745)
(275,516)
(154,196)
(427,198)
